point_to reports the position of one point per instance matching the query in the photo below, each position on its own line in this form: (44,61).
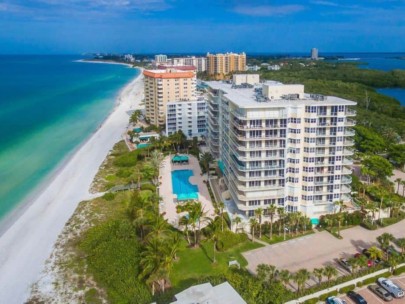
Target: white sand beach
(29,241)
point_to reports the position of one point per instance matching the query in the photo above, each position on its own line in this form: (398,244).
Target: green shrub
(123,173)
(112,254)
(92,297)
(148,187)
(228,239)
(374,279)
(109,196)
(126,160)
(329,294)
(369,225)
(347,288)
(312,301)
(399,270)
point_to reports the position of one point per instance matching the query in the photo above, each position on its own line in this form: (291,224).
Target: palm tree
(301,277)
(341,205)
(159,228)
(401,244)
(384,240)
(281,216)
(206,159)
(173,245)
(318,273)
(398,181)
(221,208)
(403,187)
(330,272)
(393,262)
(284,276)
(375,253)
(185,221)
(214,235)
(259,215)
(271,211)
(237,221)
(253,223)
(196,215)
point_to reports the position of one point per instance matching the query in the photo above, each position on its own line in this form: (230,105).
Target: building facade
(200,63)
(188,116)
(163,86)
(160,59)
(223,64)
(314,54)
(281,146)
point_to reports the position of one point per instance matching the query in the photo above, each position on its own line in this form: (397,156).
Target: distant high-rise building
(200,63)
(314,54)
(222,64)
(163,86)
(160,59)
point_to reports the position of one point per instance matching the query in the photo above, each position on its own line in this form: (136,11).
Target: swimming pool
(182,187)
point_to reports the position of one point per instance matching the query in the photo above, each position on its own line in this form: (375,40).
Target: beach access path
(28,242)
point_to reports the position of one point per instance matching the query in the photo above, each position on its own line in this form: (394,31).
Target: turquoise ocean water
(49,105)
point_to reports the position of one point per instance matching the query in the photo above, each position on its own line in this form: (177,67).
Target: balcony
(348,142)
(350,123)
(348,152)
(347,161)
(346,180)
(327,182)
(245,168)
(350,112)
(349,133)
(345,189)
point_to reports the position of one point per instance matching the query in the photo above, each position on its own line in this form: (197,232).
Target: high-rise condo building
(314,54)
(160,59)
(163,86)
(223,64)
(278,145)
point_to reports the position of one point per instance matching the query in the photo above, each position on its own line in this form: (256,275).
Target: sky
(199,26)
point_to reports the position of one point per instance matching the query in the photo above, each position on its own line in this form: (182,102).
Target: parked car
(391,287)
(335,300)
(367,254)
(345,264)
(381,292)
(358,299)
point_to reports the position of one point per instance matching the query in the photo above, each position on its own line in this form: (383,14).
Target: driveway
(319,249)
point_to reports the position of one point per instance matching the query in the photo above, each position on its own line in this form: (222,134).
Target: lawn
(195,263)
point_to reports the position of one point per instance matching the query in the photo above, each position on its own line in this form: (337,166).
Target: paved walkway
(166,192)
(319,249)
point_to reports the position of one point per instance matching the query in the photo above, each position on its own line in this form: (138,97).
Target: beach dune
(28,242)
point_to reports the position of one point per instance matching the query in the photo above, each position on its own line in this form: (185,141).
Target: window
(254,203)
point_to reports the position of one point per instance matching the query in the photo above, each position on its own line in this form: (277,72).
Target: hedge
(148,187)
(329,294)
(374,279)
(312,301)
(399,270)
(347,288)
(228,239)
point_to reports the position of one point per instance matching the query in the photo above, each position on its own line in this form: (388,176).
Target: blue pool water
(182,187)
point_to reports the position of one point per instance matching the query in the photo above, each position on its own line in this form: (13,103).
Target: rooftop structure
(208,294)
(281,146)
(200,63)
(239,79)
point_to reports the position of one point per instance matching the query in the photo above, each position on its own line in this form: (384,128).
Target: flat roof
(246,97)
(168,74)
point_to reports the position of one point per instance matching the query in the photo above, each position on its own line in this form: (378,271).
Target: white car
(335,300)
(391,287)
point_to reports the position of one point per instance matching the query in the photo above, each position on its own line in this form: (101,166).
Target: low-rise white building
(274,67)
(188,116)
(208,294)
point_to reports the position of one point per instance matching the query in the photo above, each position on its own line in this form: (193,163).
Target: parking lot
(372,298)
(318,250)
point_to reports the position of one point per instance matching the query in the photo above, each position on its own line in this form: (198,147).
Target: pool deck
(168,205)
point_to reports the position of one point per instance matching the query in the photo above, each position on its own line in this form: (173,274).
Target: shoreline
(103,62)
(9,219)
(28,233)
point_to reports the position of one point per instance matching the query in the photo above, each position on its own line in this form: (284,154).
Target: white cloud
(268,10)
